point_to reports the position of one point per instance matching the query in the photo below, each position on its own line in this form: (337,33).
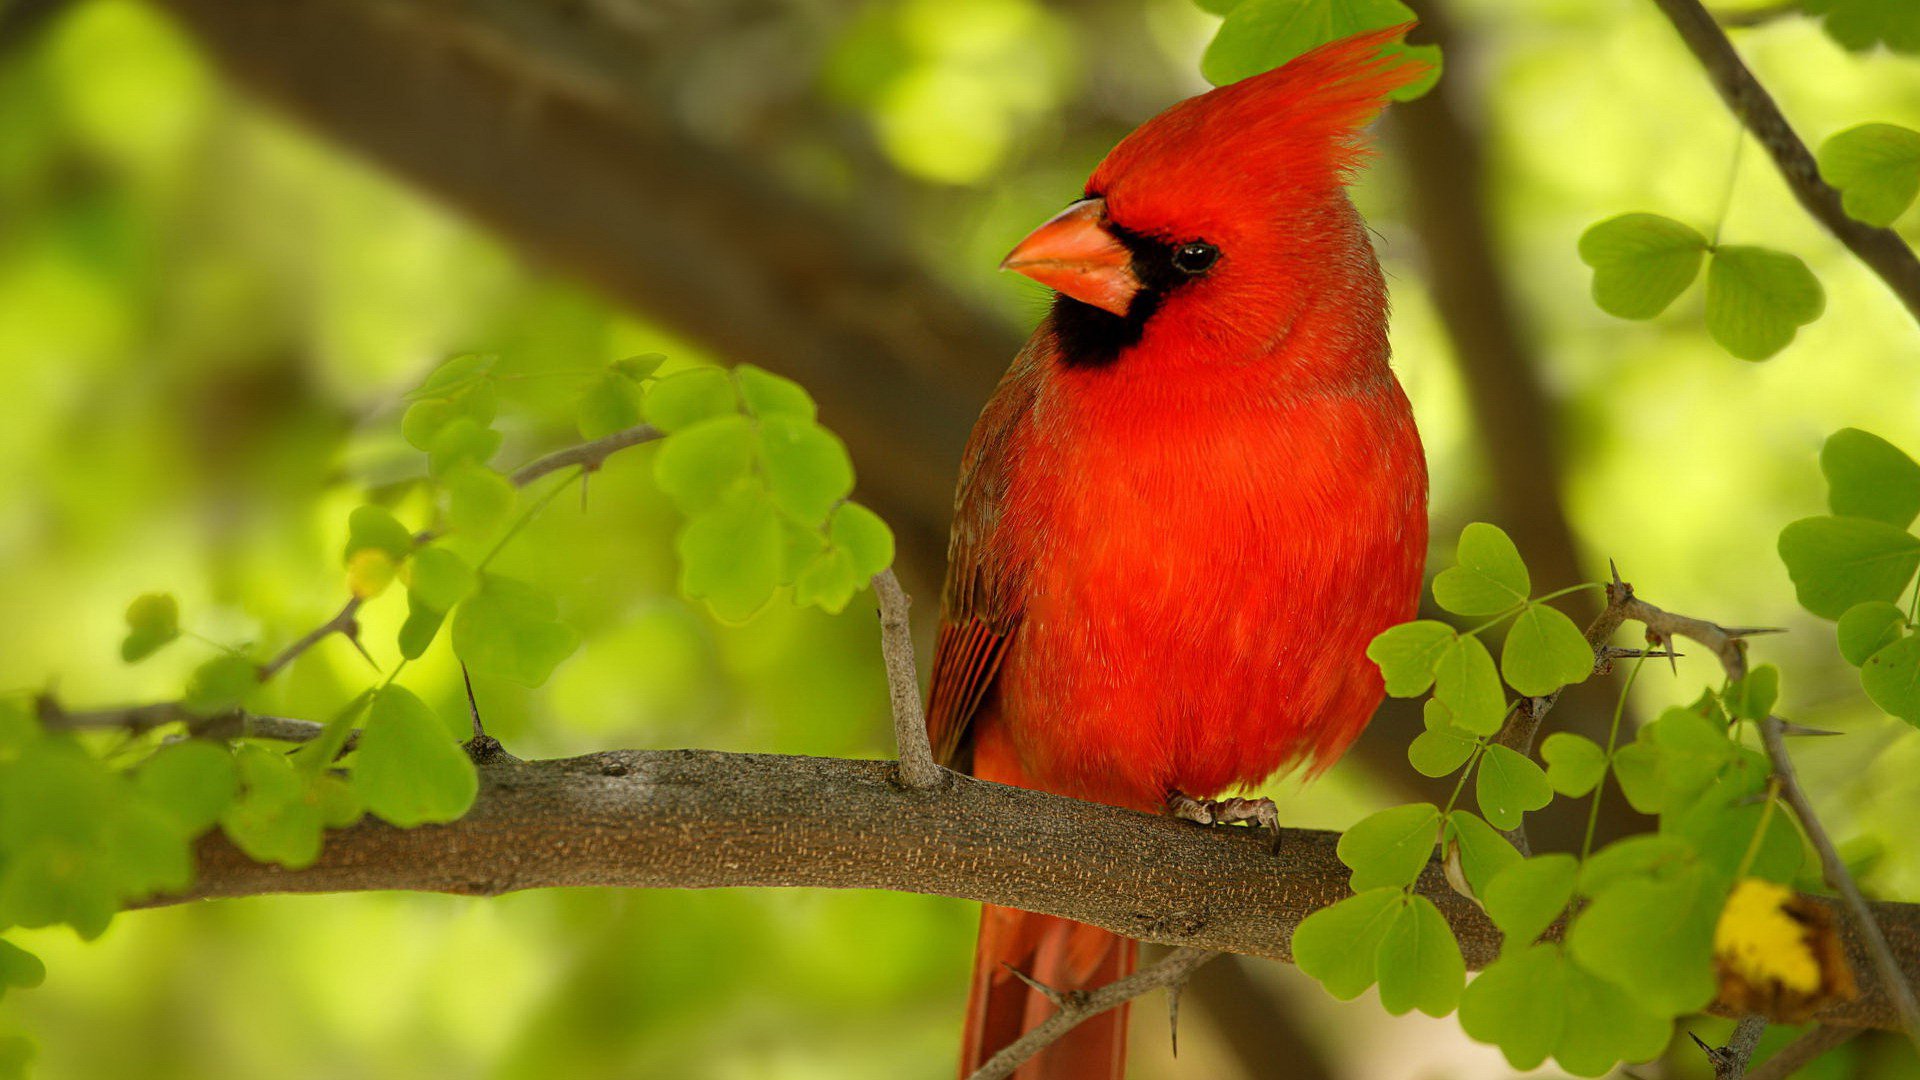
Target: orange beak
(1075,254)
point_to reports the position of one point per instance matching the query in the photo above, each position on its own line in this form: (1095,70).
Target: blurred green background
(208,313)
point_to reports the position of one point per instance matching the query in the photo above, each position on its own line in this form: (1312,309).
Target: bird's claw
(1232,811)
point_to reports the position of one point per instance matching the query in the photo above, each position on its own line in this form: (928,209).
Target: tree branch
(588,455)
(701,819)
(549,124)
(1171,971)
(1898,988)
(918,770)
(1884,252)
(1799,1053)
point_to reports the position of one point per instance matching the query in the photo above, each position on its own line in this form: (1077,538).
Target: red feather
(1167,561)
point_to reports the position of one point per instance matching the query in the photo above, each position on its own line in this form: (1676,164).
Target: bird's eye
(1195,258)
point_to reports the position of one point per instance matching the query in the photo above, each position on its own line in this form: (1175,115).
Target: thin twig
(918,770)
(346,623)
(140,718)
(1797,1054)
(1745,18)
(1170,971)
(1730,1061)
(1884,252)
(589,455)
(1899,991)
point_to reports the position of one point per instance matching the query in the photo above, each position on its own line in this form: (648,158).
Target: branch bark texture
(703,819)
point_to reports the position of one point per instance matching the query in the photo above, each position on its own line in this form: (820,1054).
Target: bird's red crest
(1300,120)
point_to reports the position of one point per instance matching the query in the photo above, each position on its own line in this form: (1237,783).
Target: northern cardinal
(1195,497)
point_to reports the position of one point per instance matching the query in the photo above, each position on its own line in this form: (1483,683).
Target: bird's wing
(980,604)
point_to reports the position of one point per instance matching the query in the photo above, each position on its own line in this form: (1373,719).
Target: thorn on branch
(1170,971)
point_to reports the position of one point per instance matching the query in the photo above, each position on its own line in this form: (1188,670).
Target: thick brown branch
(1884,252)
(701,819)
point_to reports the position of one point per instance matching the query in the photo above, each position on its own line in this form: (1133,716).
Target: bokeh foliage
(209,321)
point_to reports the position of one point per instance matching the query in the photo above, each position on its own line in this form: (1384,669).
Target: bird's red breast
(1198,493)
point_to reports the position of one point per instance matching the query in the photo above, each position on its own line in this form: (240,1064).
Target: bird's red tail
(1059,953)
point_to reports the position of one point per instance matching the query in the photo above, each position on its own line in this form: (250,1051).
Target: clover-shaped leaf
(1641,263)
(1757,299)
(1489,576)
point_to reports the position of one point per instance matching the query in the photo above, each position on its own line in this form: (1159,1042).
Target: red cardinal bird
(1195,497)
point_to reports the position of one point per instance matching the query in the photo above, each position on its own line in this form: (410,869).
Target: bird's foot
(1234,811)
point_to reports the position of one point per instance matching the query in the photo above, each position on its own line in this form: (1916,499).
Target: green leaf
(1525,898)
(1865,629)
(1641,855)
(807,467)
(439,578)
(864,537)
(730,556)
(828,582)
(277,818)
(461,442)
(610,403)
(1490,576)
(1340,944)
(193,782)
(1259,35)
(16,1055)
(1575,763)
(1606,1025)
(375,527)
(479,500)
(1519,1004)
(1465,682)
(1508,785)
(19,968)
(1861,24)
(1721,824)
(1544,651)
(1869,477)
(769,395)
(1753,697)
(1407,654)
(1419,964)
(1442,747)
(688,397)
(1892,679)
(705,461)
(1636,768)
(1390,847)
(1641,263)
(457,374)
(511,630)
(424,420)
(1484,853)
(641,366)
(1653,938)
(407,769)
(1692,751)
(422,626)
(221,684)
(1757,299)
(1837,562)
(153,621)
